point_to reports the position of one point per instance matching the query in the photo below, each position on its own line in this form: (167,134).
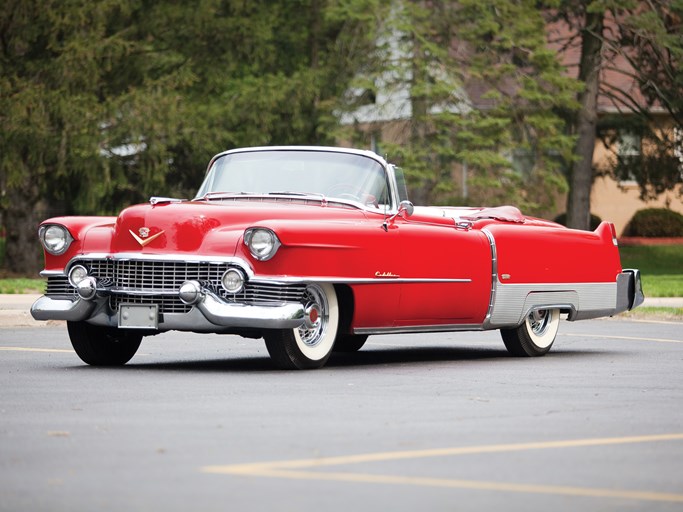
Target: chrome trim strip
(494,276)
(192,258)
(354,280)
(138,292)
(52,273)
(419,329)
(184,258)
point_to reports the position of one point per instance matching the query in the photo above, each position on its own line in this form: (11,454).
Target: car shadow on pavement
(363,358)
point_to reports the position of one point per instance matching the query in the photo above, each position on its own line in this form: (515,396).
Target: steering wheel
(346,191)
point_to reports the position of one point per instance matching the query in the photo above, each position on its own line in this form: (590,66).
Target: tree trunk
(581,178)
(419,127)
(23,252)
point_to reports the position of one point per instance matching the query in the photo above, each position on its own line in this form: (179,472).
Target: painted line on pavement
(628,338)
(296,469)
(28,349)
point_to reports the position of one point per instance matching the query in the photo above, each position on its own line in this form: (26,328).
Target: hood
(209,228)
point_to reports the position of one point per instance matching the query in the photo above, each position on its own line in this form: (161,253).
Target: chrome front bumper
(209,314)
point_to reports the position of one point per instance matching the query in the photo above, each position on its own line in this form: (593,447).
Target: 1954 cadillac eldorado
(314,249)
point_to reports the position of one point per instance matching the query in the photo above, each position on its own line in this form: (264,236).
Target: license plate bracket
(139,316)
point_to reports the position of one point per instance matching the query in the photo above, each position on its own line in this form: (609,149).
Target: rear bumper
(629,291)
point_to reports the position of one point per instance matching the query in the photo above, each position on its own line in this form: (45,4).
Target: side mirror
(405,209)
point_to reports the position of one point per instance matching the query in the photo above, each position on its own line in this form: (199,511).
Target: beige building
(610,200)
(618,202)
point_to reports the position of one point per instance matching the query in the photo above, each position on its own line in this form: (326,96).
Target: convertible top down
(314,249)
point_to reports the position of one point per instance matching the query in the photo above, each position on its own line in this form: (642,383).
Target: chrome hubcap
(539,321)
(313,330)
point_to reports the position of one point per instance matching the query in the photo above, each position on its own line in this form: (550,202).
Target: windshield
(327,174)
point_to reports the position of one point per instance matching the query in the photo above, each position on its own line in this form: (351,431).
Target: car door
(445,272)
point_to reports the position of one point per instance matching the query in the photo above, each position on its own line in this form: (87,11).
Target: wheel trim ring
(542,327)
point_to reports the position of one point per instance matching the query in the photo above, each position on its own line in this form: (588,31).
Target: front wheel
(103,346)
(309,346)
(535,336)
(350,342)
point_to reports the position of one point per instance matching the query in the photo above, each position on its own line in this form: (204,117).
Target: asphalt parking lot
(434,422)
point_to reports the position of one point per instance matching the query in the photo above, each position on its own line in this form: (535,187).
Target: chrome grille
(132,277)
(264,293)
(59,285)
(166,275)
(167,304)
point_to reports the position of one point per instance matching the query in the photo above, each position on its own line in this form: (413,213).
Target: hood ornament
(144,237)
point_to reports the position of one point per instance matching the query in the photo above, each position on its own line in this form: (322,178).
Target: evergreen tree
(106,103)
(482,89)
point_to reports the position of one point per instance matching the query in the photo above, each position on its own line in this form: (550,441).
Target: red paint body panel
(79,227)
(554,254)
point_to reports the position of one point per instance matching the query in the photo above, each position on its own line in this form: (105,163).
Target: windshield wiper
(219,195)
(291,193)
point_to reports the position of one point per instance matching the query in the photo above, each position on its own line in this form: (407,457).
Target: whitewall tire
(308,346)
(536,334)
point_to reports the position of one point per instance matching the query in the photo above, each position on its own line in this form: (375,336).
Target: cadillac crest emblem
(144,237)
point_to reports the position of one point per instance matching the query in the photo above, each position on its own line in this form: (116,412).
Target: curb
(15,311)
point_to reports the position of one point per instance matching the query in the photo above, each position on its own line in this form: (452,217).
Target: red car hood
(209,228)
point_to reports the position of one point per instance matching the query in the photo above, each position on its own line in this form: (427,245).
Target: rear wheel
(308,346)
(535,336)
(103,346)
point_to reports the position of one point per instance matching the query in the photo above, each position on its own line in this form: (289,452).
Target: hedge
(655,222)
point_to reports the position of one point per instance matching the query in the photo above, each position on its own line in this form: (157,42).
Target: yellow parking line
(27,349)
(472,485)
(295,469)
(630,338)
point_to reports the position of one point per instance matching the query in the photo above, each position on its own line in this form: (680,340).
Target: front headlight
(77,274)
(55,238)
(263,243)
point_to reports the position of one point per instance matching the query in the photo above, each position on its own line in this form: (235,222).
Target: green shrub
(595,220)
(655,222)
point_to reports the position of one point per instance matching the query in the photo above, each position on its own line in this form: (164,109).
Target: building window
(628,153)
(678,148)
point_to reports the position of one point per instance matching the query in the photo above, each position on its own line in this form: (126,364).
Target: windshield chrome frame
(389,171)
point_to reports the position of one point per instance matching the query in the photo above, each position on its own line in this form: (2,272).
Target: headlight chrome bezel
(233,281)
(55,238)
(263,243)
(77,273)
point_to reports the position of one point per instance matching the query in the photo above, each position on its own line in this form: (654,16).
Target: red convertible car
(314,249)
